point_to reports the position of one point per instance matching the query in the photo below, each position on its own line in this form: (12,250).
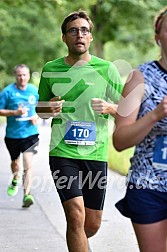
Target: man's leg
(29,146)
(13,146)
(92,221)
(94,191)
(75,216)
(77,184)
(82,223)
(27,175)
(15,167)
(13,187)
(28,199)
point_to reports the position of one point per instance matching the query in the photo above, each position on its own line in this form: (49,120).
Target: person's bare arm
(129,132)
(16,112)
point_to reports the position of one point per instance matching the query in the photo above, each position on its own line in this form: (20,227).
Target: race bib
(80,133)
(160,152)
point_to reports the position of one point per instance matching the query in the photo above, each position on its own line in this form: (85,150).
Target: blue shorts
(75,177)
(143,206)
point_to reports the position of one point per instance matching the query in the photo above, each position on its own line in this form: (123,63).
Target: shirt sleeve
(115,84)
(4,99)
(44,91)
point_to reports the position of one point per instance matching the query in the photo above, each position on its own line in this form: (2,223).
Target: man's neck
(78,60)
(21,87)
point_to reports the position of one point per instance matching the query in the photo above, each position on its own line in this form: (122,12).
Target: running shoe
(13,187)
(28,200)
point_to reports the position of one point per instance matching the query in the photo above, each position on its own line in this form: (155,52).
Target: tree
(124,22)
(30,29)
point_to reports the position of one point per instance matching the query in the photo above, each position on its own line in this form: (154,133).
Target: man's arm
(102,107)
(16,112)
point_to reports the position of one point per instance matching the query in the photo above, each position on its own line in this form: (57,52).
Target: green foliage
(26,40)
(124,22)
(114,51)
(5,78)
(30,33)
(30,30)
(119,161)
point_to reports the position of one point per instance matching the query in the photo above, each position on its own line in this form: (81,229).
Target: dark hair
(73,16)
(159,19)
(20,66)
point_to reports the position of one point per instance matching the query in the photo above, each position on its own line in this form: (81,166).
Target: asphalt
(42,227)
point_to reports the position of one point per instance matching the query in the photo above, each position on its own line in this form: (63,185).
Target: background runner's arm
(16,112)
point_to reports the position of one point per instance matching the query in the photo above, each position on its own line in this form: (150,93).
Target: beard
(78,50)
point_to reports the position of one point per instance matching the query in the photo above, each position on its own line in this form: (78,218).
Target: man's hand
(20,111)
(56,105)
(50,109)
(102,107)
(34,119)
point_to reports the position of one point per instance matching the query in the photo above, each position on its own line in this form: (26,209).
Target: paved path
(42,226)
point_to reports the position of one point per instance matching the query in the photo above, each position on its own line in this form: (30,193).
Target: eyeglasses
(74,31)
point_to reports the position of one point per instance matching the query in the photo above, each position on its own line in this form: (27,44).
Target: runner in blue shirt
(17,103)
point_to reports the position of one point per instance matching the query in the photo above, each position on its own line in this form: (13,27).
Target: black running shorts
(74,177)
(16,146)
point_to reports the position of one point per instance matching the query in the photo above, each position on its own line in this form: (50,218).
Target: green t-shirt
(79,132)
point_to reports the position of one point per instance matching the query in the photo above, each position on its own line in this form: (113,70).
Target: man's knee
(91,228)
(75,215)
(92,221)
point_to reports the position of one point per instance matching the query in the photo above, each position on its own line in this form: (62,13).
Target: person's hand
(161,111)
(56,105)
(102,107)
(34,119)
(21,111)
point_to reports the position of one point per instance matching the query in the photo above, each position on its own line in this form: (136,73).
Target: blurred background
(123,30)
